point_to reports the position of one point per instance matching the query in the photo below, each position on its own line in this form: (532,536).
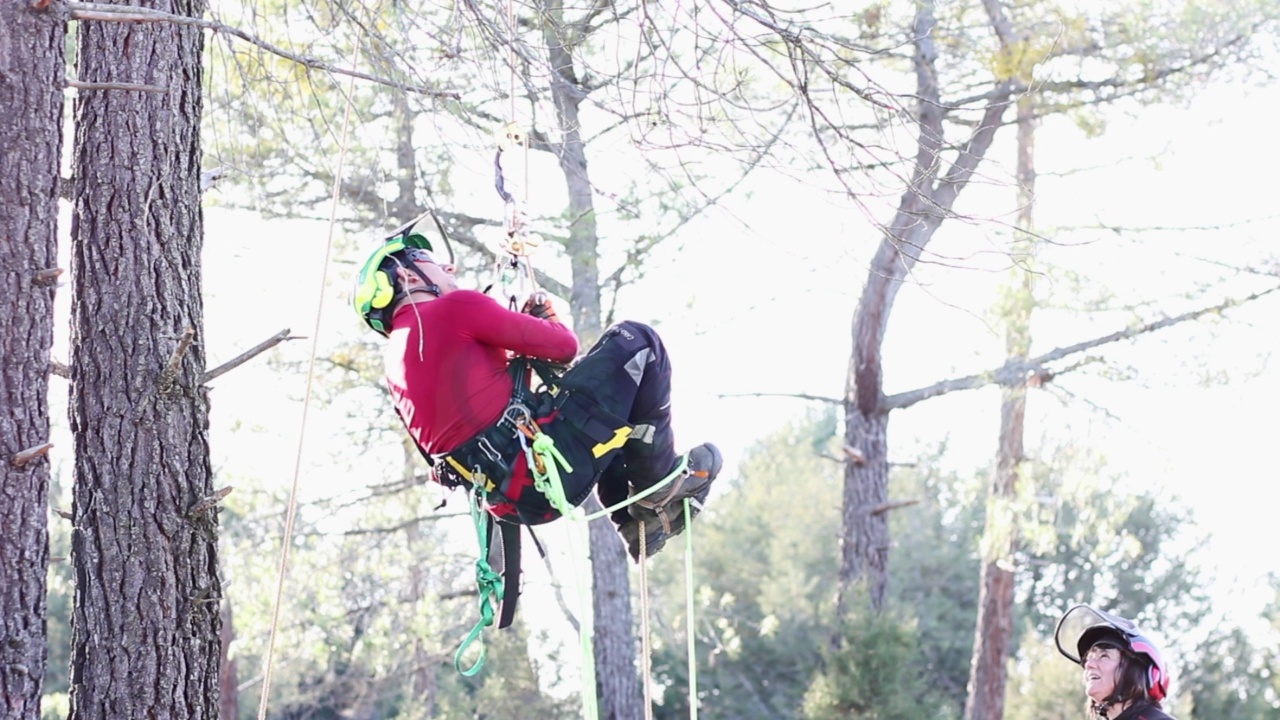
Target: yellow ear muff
(383,292)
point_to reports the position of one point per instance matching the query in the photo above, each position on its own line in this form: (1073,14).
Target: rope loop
(545,462)
(489,586)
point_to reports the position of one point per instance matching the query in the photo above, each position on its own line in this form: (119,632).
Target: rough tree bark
(864,541)
(31,91)
(145,641)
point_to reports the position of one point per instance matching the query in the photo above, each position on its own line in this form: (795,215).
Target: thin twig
(57,368)
(249,354)
(800,396)
(122,13)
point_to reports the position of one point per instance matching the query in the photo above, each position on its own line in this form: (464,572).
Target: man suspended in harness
(457,371)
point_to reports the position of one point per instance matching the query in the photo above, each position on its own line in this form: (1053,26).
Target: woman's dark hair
(1133,674)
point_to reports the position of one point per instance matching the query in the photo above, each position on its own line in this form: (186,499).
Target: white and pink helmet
(1083,626)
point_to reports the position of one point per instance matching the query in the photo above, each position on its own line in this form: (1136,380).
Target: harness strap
(510,571)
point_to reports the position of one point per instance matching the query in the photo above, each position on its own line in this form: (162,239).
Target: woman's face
(1101,669)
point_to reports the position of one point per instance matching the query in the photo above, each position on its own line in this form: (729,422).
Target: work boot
(654,538)
(662,514)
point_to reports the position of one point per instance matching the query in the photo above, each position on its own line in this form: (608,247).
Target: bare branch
(122,13)
(387,529)
(249,354)
(1012,373)
(559,593)
(799,396)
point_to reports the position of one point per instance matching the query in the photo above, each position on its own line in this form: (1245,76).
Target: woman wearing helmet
(1124,676)
(463,399)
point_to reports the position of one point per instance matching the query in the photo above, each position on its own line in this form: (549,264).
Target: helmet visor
(1079,621)
(414,235)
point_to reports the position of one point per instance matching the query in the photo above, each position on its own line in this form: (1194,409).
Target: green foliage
(1109,548)
(872,676)
(1043,685)
(1234,678)
(765,552)
(379,595)
(934,571)
(764,547)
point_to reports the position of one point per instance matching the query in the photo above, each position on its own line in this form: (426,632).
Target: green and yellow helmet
(377,290)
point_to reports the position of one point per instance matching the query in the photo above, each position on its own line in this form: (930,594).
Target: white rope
(291,513)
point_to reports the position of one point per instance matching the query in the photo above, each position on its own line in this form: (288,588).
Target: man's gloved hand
(539,306)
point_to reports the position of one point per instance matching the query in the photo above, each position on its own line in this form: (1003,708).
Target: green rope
(547,481)
(680,468)
(489,587)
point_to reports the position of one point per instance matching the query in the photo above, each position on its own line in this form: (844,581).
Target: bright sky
(761,298)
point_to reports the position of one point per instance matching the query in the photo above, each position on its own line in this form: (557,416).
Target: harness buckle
(519,415)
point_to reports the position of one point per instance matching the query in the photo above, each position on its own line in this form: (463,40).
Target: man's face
(440,274)
(1101,669)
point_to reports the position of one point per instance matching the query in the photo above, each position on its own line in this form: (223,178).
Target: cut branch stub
(856,456)
(59,369)
(46,277)
(169,375)
(891,505)
(209,502)
(22,457)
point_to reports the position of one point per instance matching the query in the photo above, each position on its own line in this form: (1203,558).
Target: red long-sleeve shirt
(446,363)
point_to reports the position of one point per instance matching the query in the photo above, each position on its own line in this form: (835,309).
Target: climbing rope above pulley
(514,263)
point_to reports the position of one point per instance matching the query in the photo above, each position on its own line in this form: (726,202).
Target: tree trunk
(925,204)
(993,636)
(145,641)
(617,682)
(31,75)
